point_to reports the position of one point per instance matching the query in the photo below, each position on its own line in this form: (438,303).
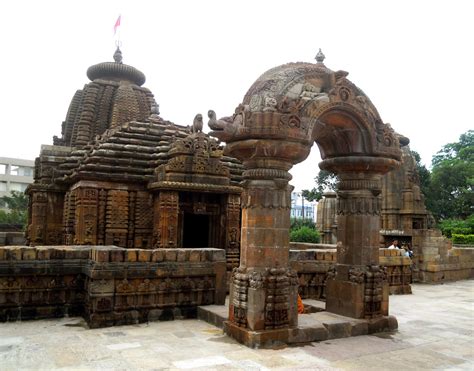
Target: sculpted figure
(197,123)
(220,124)
(312,92)
(270,104)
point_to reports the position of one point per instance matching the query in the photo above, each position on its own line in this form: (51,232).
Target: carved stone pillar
(86,216)
(357,287)
(166,210)
(39,207)
(232,231)
(263,289)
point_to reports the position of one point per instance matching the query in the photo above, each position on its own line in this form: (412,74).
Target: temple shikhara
(121,175)
(133,218)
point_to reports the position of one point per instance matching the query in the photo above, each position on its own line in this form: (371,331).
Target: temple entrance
(195,230)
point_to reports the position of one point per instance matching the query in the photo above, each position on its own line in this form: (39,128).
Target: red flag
(117,24)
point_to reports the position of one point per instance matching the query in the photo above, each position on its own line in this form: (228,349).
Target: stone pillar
(86,216)
(39,208)
(357,287)
(263,289)
(166,210)
(232,230)
(326,218)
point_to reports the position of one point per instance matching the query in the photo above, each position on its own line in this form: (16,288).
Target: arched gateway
(284,112)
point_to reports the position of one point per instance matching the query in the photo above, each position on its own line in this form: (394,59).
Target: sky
(412,58)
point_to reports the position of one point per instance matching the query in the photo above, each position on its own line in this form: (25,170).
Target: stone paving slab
(433,335)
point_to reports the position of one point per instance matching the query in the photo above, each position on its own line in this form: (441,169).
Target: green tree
(451,187)
(325,181)
(423,173)
(17,204)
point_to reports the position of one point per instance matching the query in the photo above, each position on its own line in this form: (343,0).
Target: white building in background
(15,175)
(301,208)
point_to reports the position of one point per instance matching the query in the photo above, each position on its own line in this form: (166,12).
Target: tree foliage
(325,181)
(304,234)
(451,189)
(303,230)
(302,222)
(17,204)
(423,173)
(457,226)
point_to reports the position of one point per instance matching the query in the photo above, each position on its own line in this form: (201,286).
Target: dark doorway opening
(196,230)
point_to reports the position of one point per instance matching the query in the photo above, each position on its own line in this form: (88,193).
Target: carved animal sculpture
(197,123)
(212,123)
(220,124)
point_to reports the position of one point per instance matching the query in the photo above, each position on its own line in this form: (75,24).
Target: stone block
(170,255)
(181,255)
(256,309)
(157,255)
(155,314)
(77,252)
(131,255)
(13,253)
(195,256)
(319,255)
(317,332)
(359,328)
(100,287)
(43,252)
(382,324)
(57,253)
(218,255)
(3,254)
(345,298)
(117,255)
(28,253)
(338,329)
(144,256)
(100,255)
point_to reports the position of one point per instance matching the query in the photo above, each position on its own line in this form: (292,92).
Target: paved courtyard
(436,331)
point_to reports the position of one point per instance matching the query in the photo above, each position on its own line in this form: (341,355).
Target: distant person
(300,305)
(394,245)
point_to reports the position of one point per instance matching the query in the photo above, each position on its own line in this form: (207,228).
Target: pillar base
(314,327)
(356,300)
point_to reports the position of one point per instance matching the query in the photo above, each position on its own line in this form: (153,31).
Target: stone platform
(430,336)
(313,326)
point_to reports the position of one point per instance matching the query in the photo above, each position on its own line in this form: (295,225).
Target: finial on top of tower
(118,55)
(320,56)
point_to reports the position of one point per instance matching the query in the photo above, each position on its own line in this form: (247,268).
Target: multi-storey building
(302,208)
(15,175)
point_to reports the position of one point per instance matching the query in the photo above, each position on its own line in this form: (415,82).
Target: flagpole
(118,42)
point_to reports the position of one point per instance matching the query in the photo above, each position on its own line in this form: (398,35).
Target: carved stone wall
(315,265)
(98,213)
(108,285)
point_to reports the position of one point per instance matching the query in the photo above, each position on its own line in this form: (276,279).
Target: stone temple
(133,218)
(121,175)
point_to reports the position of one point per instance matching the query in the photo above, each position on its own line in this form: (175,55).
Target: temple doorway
(195,230)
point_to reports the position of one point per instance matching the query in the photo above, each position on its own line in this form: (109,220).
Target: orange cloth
(300,305)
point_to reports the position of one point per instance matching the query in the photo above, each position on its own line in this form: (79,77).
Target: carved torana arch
(284,112)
